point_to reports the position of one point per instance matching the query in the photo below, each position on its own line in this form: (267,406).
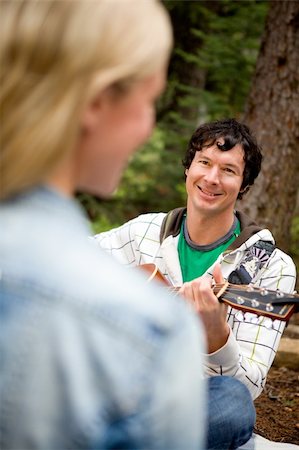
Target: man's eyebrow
(202,155)
(232,166)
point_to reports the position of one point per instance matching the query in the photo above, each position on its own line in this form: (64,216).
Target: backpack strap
(171,224)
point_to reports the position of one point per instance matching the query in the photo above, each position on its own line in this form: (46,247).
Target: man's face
(214,179)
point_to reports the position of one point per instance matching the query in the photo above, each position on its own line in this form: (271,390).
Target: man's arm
(119,243)
(252,342)
(256,340)
(135,242)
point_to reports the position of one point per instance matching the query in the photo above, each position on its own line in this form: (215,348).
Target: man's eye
(202,161)
(227,169)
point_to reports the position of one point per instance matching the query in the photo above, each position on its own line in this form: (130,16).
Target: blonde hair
(55,56)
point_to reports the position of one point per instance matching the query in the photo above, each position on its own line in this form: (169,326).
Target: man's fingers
(217,274)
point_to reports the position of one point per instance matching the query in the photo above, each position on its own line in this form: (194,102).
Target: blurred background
(231,59)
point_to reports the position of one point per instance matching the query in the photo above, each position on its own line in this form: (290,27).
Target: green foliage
(226,38)
(216,45)
(102,223)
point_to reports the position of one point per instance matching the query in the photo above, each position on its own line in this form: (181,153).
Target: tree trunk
(272,112)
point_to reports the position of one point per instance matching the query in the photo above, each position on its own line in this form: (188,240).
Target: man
(209,239)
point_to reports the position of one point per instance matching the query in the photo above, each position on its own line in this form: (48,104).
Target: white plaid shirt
(252,345)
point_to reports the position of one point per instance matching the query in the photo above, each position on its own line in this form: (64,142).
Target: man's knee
(231,410)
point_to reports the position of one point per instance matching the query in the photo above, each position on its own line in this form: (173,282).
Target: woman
(85,363)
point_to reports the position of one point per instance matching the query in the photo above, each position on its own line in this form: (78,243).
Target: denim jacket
(91,357)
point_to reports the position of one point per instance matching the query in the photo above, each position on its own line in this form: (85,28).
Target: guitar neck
(260,301)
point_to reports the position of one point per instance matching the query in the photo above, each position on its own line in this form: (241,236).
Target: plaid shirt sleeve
(134,243)
(253,341)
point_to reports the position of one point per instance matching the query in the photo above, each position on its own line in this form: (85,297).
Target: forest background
(231,59)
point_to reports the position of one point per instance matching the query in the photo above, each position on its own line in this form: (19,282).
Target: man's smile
(210,194)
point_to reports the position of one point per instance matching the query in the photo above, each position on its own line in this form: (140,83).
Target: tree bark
(272,113)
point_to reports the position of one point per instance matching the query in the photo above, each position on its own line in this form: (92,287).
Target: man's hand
(200,293)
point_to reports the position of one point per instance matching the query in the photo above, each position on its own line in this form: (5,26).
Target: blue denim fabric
(231,414)
(90,357)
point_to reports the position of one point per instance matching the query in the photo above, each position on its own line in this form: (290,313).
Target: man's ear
(245,189)
(186,171)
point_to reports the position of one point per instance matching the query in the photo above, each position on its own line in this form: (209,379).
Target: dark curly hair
(233,133)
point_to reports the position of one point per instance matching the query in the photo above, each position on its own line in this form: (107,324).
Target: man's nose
(212,175)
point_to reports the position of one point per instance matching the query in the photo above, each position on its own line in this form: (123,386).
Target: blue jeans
(231,414)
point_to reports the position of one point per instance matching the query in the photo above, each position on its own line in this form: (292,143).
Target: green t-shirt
(196,259)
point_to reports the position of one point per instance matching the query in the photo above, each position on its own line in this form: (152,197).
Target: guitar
(247,298)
